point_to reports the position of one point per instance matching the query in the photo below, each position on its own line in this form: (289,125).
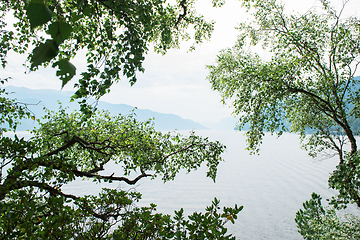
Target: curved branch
(182,15)
(83,143)
(55,191)
(326,104)
(92,173)
(22,184)
(111,177)
(181,150)
(52,190)
(328,110)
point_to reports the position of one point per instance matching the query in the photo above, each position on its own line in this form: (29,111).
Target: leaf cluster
(115,35)
(346,180)
(65,147)
(208,225)
(11,111)
(134,145)
(317,222)
(308,85)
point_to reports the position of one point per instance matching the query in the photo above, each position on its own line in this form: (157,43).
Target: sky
(176,82)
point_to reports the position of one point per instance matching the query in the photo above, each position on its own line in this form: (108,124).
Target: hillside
(40,98)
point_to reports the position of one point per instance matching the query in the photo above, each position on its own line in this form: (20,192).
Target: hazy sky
(174,83)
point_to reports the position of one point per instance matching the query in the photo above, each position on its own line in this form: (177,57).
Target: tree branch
(182,15)
(110,177)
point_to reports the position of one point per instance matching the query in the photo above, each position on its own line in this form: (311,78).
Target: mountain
(40,98)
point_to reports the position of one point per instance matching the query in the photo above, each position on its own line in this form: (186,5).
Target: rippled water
(271,186)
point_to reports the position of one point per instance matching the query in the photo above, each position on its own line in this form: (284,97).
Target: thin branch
(182,15)
(52,190)
(110,177)
(180,150)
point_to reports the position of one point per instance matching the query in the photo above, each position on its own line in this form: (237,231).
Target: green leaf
(87,10)
(38,13)
(81,3)
(66,71)
(59,31)
(43,53)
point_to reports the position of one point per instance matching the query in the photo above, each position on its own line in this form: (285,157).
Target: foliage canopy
(33,205)
(317,222)
(115,35)
(308,86)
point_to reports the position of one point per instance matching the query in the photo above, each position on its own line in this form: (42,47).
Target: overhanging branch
(110,177)
(182,15)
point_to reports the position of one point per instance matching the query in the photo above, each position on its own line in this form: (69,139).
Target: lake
(271,186)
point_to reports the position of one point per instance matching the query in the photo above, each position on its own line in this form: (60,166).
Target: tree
(317,222)
(65,146)
(308,85)
(116,36)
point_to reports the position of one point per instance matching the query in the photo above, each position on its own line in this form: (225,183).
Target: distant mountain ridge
(40,98)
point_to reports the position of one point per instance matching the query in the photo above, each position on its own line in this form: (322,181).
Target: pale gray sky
(174,83)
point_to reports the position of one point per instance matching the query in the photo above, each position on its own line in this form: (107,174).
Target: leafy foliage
(316,222)
(308,84)
(65,147)
(55,218)
(66,71)
(346,179)
(208,225)
(11,111)
(38,13)
(44,53)
(115,34)
(309,81)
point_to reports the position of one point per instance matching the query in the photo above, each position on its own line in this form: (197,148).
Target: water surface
(271,186)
